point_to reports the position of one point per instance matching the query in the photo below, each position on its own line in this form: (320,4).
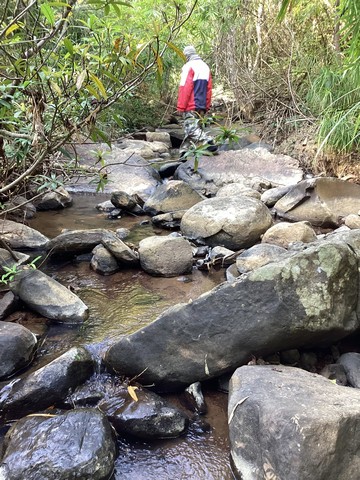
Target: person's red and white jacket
(195,87)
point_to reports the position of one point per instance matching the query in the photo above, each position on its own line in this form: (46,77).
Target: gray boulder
(125,170)
(233,222)
(320,201)
(75,242)
(48,297)
(166,256)
(103,261)
(78,444)
(123,200)
(55,200)
(289,424)
(170,197)
(20,236)
(17,348)
(304,299)
(259,255)
(119,250)
(48,385)
(147,417)
(272,195)
(235,166)
(170,220)
(351,363)
(282,234)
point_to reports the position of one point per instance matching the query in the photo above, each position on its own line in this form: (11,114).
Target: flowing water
(120,304)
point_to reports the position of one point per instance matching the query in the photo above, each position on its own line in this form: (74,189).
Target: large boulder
(17,346)
(286,423)
(48,385)
(166,256)
(235,166)
(320,201)
(75,242)
(284,233)
(78,444)
(48,297)
(20,236)
(125,170)
(233,222)
(304,299)
(170,197)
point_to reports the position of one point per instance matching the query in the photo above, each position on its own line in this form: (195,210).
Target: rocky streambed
(241,277)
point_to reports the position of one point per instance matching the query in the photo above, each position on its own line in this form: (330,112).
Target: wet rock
(7,260)
(48,385)
(218,253)
(320,201)
(8,304)
(232,222)
(235,166)
(119,250)
(77,444)
(168,220)
(234,189)
(107,206)
(351,363)
(287,423)
(271,196)
(48,297)
(282,234)
(259,255)
(148,417)
(166,256)
(195,398)
(103,261)
(336,372)
(76,241)
(17,347)
(170,197)
(123,200)
(302,300)
(22,237)
(55,200)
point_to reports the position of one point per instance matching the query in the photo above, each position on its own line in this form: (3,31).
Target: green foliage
(10,273)
(65,63)
(196,152)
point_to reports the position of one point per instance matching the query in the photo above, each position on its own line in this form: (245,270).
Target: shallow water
(120,304)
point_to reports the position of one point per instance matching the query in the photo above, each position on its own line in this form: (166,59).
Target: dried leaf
(132,392)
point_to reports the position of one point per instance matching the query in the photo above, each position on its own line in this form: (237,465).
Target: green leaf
(92,90)
(176,50)
(48,13)
(69,46)
(99,84)
(111,76)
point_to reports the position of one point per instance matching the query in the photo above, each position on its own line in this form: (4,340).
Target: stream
(120,304)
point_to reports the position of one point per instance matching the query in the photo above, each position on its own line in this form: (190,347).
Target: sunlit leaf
(132,392)
(11,29)
(80,79)
(56,87)
(93,92)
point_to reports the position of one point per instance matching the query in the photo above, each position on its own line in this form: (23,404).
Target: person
(194,100)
